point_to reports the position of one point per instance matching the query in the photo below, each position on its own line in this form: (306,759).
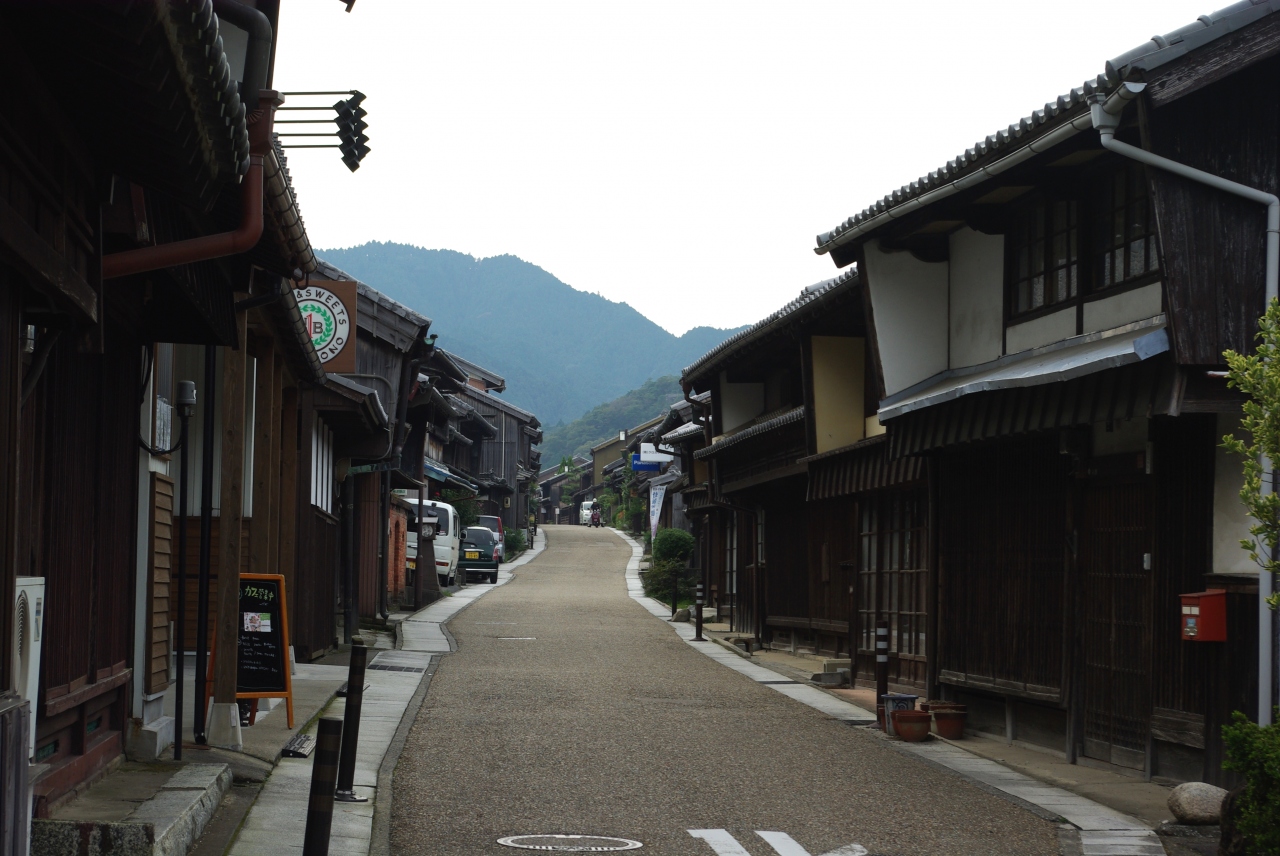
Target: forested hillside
(606,420)
(562,351)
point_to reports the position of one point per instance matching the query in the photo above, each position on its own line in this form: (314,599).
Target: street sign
(641,467)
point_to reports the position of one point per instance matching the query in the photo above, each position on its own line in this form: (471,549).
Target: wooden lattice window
(892,552)
(1045,246)
(1124,231)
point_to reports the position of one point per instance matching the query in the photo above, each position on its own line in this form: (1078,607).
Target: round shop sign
(327,320)
(570,843)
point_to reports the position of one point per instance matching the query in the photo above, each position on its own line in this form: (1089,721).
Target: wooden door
(1115,551)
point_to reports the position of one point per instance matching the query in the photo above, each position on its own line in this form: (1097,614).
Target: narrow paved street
(569,710)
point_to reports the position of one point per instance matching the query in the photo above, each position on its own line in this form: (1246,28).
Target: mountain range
(562,351)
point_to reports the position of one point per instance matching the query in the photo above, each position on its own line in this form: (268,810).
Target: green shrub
(514,544)
(1254,751)
(673,544)
(657,581)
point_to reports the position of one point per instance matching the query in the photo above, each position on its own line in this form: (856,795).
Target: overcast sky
(678,156)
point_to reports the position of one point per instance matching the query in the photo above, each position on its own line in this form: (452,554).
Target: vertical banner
(656,495)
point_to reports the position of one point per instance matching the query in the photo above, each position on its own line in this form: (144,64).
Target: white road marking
(783,844)
(721,841)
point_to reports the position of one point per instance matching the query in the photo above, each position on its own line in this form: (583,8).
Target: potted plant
(911,725)
(950,720)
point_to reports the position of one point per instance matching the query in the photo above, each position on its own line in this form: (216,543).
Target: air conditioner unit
(28,620)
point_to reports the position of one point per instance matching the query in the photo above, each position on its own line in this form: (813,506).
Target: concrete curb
(380,837)
(165,825)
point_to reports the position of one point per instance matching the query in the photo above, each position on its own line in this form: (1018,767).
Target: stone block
(1196,803)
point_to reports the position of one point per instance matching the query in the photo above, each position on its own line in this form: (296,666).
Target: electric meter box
(1204,616)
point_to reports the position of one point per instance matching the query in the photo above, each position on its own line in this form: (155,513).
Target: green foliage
(514,544)
(1258,376)
(464,502)
(1254,751)
(606,420)
(673,544)
(573,349)
(657,581)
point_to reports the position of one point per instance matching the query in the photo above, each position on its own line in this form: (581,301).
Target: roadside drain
(570,843)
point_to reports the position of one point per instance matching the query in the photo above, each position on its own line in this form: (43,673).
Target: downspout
(242,239)
(257,58)
(1105,114)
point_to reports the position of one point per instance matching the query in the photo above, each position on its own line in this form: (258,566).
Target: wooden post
(10,420)
(230,514)
(265,417)
(287,531)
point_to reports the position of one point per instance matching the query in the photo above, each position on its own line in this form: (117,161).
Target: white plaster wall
(1136,305)
(838,374)
(1230,523)
(739,403)
(909,299)
(977,289)
(1041,331)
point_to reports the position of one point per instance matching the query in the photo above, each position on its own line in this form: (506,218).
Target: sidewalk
(1095,808)
(397,682)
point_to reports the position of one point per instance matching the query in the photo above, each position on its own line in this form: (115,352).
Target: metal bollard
(882,665)
(351,726)
(324,773)
(697,603)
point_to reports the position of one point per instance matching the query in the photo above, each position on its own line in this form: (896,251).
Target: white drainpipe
(1106,118)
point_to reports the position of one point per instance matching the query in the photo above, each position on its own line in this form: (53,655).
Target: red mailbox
(1204,616)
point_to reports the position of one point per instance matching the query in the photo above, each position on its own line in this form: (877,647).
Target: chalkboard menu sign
(263,660)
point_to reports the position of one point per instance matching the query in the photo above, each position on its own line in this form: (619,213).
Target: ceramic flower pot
(950,723)
(911,725)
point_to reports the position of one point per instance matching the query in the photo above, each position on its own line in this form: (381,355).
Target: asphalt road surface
(569,710)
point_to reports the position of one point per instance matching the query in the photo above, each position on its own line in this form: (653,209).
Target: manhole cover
(570,843)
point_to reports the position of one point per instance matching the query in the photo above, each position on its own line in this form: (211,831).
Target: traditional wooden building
(812,533)
(148,232)
(1045,311)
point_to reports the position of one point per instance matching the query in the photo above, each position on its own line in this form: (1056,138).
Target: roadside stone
(1196,803)
(681,615)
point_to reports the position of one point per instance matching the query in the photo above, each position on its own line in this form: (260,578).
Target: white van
(446,543)
(584,516)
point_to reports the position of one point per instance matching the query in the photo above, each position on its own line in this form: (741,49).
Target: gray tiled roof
(689,429)
(1130,65)
(788,417)
(743,338)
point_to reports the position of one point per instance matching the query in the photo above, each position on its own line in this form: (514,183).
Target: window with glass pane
(1046,266)
(1124,229)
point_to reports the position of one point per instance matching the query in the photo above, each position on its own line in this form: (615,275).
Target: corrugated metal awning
(1060,361)
(1140,389)
(863,466)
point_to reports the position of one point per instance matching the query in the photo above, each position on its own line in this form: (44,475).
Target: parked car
(494,525)
(448,534)
(479,553)
(584,514)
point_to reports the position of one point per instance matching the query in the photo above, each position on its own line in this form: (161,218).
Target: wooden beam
(230,513)
(10,419)
(287,530)
(273,502)
(264,429)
